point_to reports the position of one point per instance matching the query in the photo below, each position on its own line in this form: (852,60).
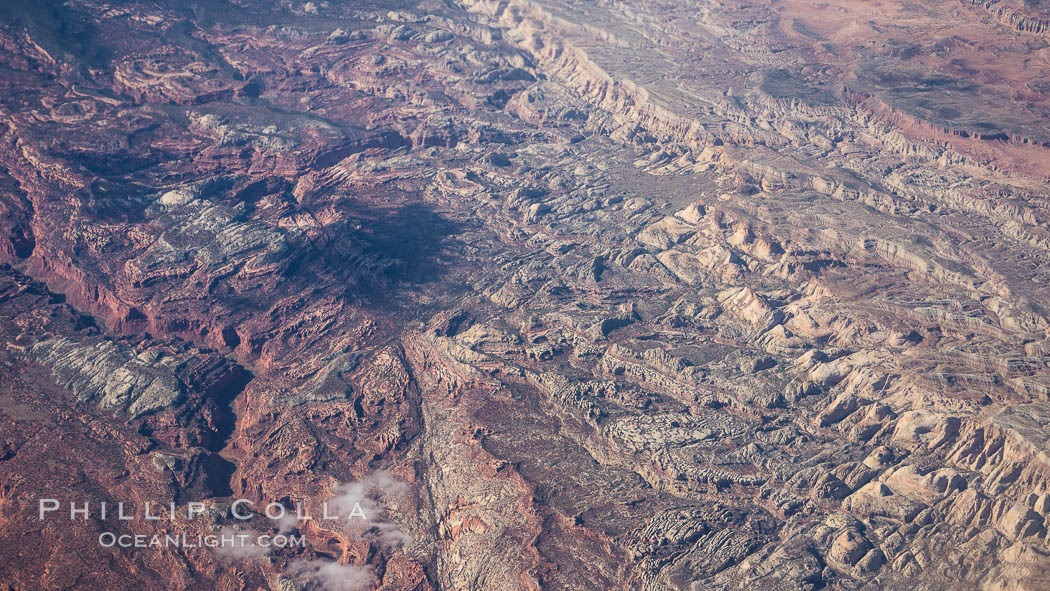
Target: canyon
(568,294)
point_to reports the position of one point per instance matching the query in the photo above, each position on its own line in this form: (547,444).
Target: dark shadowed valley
(550,294)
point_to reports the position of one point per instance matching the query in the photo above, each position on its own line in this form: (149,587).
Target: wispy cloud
(333,576)
(238,544)
(359,506)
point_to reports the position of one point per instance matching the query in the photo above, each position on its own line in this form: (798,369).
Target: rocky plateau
(584,294)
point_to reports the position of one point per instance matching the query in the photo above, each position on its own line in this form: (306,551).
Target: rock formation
(574,295)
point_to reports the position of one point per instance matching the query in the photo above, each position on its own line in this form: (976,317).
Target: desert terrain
(603,294)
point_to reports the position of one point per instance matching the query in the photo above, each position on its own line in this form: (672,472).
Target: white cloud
(361,512)
(286,523)
(238,544)
(334,576)
(365,496)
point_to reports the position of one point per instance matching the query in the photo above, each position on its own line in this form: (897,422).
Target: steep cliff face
(569,295)
(1024,16)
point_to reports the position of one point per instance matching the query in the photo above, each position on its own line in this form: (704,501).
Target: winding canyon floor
(595,295)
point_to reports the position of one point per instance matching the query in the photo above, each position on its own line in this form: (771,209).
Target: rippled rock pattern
(629,295)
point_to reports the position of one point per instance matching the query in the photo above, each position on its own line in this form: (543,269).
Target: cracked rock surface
(628,294)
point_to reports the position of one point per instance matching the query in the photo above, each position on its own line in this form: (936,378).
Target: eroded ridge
(627,295)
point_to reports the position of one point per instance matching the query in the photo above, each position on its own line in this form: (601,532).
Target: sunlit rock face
(560,295)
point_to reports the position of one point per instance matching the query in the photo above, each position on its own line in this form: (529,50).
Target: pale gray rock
(111,376)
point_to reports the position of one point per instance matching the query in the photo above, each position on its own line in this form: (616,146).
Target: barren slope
(633,295)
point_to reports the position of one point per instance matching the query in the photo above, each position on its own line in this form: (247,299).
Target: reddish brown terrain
(569,295)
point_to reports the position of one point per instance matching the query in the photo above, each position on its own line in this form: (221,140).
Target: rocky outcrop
(573,295)
(116,379)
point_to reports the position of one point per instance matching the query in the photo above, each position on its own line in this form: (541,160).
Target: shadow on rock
(379,248)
